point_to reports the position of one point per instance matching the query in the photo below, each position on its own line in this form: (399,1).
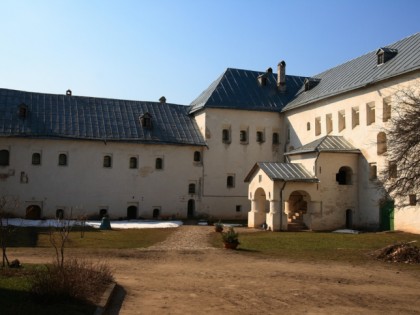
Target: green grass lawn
(317,246)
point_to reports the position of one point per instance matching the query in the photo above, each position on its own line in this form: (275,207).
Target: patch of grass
(316,246)
(93,238)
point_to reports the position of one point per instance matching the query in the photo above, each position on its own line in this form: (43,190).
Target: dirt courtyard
(184,275)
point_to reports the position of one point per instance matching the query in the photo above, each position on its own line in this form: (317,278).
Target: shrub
(81,280)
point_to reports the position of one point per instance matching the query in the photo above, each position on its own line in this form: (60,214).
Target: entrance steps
(296,226)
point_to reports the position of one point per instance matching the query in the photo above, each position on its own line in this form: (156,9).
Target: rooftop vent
(68,92)
(310,83)
(385,54)
(146,121)
(162,100)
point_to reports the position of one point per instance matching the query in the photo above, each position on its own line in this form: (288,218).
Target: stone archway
(297,210)
(33,212)
(132,212)
(260,206)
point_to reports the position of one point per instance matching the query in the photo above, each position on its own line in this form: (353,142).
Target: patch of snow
(132,224)
(347,231)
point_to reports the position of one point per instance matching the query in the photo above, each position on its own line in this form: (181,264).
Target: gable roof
(285,172)
(240,89)
(326,144)
(362,71)
(79,117)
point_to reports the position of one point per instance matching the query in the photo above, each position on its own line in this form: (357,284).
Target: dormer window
(146,121)
(310,83)
(385,54)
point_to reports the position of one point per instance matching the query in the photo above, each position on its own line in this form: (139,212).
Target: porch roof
(286,172)
(326,144)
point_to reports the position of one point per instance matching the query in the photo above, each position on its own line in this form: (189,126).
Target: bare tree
(7,206)
(59,236)
(401,175)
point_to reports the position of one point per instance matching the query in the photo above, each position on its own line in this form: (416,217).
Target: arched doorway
(103,212)
(132,213)
(191,209)
(298,208)
(156,213)
(33,212)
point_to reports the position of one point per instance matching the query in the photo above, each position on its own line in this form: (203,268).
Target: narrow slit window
(159,163)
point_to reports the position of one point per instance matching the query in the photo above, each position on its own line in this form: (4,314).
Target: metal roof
(240,89)
(286,172)
(79,117)
(326,144)
(362,71)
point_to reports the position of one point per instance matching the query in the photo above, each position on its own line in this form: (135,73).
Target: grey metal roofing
(79,117)
(362,71)
(286,172)
(326,144)
(240,89)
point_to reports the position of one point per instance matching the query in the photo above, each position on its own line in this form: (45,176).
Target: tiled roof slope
(78,117)
(240,89)
(286,172)
(361,72)
(326,144)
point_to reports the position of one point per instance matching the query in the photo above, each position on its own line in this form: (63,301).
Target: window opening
(276,139)
(243,136)
(355,117)
(381,143)
(107,161)
(238,208)
(329,123)
(159,163)
(260,136)
(59,214)
(197,156)
(317,126)
(4,157)
(191,189)
(386,111)
(146,121)
(36,159)
(343,177)
(133,162)
(230,181)
(226,136)
(373,171)
(341,121)
(62,159)
(370,113)
(308,126)
(412,200)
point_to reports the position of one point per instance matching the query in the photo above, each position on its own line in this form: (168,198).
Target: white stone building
(284,150)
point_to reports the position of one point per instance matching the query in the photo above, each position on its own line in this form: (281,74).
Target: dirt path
(184,275)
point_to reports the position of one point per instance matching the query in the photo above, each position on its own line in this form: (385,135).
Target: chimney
(269,70)
(162,100)
(281,76)
(68,92)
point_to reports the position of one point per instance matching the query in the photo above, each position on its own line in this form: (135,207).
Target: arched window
(59,214)
(159,163)
(191,188)
(62,159)
(243,137)
(381,143)
(4,157)
(107,161)
(344,176)
(133,162)
(36,159)
(230,181)
(260,136)
(197,156)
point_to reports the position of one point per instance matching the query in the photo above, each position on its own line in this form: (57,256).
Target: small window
(392,170)
(197,156)
(146,121)
(191,189)
(276,139)
(341,120)
(355,117)
(159,164)
(107,163)
(386,110)
(226,136)
(370,113)
(243,136)
(317,126)
(381,143)
(308,126)
(4,157)
(344,176)
(59,214)
(381,58)
(238,208)
(412,200)
(373,171)
(329,123)
(36,159)
(62,159)
(23,111)
(260,136)
(230,181)
(133,162)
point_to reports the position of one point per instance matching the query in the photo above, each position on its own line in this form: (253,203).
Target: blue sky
(142,50)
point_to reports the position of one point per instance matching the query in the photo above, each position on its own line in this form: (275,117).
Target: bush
(81,280)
